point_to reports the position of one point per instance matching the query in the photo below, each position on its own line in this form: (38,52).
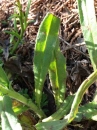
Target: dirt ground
(71,43)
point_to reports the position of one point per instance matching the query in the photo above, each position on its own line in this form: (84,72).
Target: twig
(73,46)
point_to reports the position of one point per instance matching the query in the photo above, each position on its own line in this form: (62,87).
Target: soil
(72,46)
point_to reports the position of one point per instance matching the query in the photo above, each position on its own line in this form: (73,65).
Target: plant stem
(21,17)
(15,47)
(79,95)
(24,100)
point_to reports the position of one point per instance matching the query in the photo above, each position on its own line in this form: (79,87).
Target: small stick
(73,46)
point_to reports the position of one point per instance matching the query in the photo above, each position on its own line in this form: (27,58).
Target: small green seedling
(19,18)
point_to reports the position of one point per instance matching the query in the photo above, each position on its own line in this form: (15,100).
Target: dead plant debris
(71,43)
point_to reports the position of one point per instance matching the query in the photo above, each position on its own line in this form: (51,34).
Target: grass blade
(14,33)
(27,12)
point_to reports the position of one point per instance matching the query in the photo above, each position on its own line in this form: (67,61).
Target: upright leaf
(26,13)
(57,72)
(89,28)
(45,44)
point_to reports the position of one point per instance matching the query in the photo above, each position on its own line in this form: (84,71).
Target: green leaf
(1,104)
(88,111)
(45,45)
(89,28)
(8,119)
(79,94)
(14,33)
(26,13)
(15,25)
(23,100)
(18,107)
(3,78)
(57,73)
(52,125)
(62,111)
(15,15)
(27,9)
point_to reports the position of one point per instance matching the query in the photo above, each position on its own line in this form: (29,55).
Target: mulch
(72,46)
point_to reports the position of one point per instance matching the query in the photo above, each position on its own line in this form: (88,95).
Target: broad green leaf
(57,73)
(22,99)
(87,111)
(45,45)
(8,119)
(89,28)
(4,122)
(94,115)
(3,78)
(52,125)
